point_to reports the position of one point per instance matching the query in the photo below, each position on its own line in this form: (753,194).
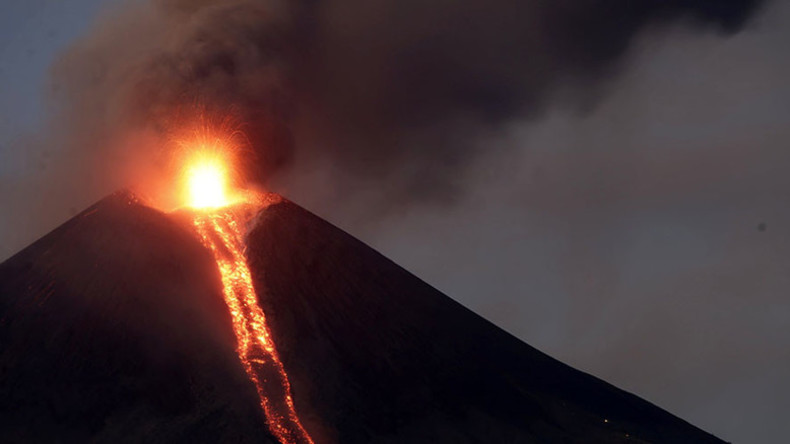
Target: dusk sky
(634,224)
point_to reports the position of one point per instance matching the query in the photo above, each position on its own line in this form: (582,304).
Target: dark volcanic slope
(112,328)
(384,357)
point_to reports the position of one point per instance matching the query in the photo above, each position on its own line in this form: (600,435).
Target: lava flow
(219,219)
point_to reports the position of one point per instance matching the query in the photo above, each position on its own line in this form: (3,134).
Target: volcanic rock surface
(113,329)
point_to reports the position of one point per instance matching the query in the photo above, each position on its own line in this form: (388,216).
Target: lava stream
(219,229)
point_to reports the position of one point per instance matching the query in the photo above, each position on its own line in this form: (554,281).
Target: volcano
(113,329)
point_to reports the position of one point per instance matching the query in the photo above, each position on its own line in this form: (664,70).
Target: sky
(31,35)
(643,237)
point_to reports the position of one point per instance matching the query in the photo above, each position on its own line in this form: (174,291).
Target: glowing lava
(207,177)
(219,220)
(207,187)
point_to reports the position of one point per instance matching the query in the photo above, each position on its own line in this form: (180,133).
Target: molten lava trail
(219,231)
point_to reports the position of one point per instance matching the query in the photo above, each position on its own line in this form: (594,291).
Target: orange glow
(206,180)
(207,183)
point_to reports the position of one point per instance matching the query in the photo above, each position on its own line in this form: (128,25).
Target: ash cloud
(384,93)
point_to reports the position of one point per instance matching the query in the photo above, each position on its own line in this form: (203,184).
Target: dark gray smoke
(393,90)
(382,102)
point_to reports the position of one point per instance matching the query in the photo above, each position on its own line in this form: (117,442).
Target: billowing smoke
(357,94)
(369,84)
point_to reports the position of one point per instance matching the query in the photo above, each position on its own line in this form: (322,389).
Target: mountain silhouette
(113,329)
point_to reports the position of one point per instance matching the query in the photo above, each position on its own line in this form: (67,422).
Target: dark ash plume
(368,86)
(376,95)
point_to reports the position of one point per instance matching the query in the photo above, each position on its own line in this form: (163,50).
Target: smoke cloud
(383,91)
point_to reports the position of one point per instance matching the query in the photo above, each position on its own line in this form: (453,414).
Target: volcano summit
(114,328)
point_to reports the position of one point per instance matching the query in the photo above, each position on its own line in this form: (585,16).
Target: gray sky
(625,241)
(32,32)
